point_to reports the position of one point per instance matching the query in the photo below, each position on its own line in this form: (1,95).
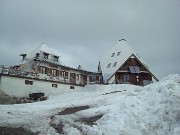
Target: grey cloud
(83,31)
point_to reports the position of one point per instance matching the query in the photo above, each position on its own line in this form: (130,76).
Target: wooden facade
(133,72)
(68,74)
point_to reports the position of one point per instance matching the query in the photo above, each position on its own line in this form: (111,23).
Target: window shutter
(66,74)
(97,78)
(57,72)
(46,70)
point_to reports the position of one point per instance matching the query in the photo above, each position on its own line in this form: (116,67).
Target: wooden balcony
(126,69)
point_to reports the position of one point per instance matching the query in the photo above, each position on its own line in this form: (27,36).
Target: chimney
(122,40)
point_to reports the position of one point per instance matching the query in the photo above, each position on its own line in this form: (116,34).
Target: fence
(14,71)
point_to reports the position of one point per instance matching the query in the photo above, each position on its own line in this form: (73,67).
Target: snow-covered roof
(116,57)
(43,48)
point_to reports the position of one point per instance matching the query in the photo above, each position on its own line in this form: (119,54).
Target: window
(72,87)
(108,65)
(54,72)
(114,64)
(93,78)
(134,69)
(28,82)
(61,73)
(126,78)
(64,74)
(90,78)
(72,75)
(77,77)
(42,70)
(54,85)
(55,58)
(46,55)
(112,54)
(118,53)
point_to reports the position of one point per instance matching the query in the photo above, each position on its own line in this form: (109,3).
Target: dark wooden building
(123,66)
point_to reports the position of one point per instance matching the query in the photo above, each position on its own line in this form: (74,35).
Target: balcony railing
(21,73)
(126,68)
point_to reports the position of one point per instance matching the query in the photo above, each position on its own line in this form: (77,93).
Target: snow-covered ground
(103,110)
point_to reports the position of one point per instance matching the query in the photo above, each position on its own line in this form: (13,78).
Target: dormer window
(114,64)
(46,55)
(79,67)
(56,58)
(24,56)
(118,53)
(112,54)
(108,65)
(37,55)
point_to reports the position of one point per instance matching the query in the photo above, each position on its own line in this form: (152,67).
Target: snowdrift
(102,110)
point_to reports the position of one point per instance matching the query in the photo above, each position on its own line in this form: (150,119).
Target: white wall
(16,87)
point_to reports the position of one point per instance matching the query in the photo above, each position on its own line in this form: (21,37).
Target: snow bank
(154,109)
(125,110)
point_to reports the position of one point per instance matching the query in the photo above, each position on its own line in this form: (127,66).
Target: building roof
(42,48)
(45,49)
(116,57)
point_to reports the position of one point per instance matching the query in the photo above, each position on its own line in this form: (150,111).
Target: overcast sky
(82,31)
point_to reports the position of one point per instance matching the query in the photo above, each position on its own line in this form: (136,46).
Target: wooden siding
(58,72)
(125,76)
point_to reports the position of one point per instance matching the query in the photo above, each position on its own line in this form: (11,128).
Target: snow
(125,109)
(44,48)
